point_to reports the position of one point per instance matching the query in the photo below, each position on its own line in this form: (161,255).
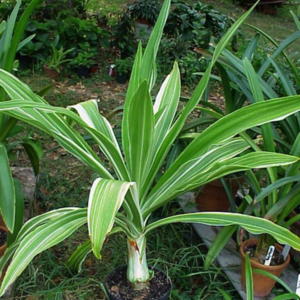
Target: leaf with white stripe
(166,101)
(89,113)
(140,133)
(43,237)
(218,169)
(252,224)
(106,198)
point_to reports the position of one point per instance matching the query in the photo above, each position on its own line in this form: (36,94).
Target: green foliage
(146,10)
(77,31)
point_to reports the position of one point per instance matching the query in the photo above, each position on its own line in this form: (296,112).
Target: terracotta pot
(262,285)
(53,74)
(212,197)
(119,275)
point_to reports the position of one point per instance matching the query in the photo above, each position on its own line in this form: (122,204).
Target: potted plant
(273,195)
(123,69)
(52,66)
(84,60)
(148,132)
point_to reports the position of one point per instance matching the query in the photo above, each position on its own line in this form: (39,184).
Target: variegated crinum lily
(148,133)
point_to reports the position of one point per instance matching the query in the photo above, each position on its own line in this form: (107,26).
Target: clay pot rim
(256,264)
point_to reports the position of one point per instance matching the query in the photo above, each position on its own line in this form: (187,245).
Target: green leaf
(40,239)
(7,188)
(19,215)
(288,296)
(148,68)
(249,278)
(140,133)
(218,244)
(106,197)
(89,113)
(252,224)
(78,256)
(35,152)
(232,124)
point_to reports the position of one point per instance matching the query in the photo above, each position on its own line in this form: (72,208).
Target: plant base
(262,285)
(119,288)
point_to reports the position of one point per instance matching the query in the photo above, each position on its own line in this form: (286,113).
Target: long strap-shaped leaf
(7,191)
(232,124)
(173,133)
(106,197)
(216,170)
(45,236)
(252,224)
(140,133)
(89,113)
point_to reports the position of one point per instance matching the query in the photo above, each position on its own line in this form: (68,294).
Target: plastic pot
(262,284)
(120,273)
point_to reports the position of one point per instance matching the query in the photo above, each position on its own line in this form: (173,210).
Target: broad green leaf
(252,224)
(77,258)
(249,278)
(106,197)
(43,237)
(194,174)
(89,113)
(166,101)
(218,244)
(140,133)
(19,212)
(234,123)
(197,95)
(7,191)
(34,152)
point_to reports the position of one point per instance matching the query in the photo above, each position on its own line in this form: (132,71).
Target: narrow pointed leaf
(252,224)
(7,191)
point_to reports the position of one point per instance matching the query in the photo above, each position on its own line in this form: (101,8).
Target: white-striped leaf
(216,170)
(41,238)
(252,224)
(106,197)
(140,133)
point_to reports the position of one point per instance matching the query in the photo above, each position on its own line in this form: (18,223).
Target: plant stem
(137,273)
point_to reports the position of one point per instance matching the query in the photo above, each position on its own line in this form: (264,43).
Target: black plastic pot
(164,288)
(83,71)
(122,78)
